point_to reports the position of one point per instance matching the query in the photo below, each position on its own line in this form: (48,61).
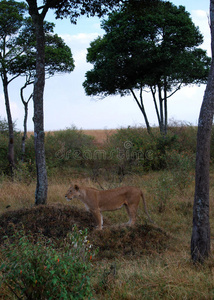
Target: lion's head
(72,192)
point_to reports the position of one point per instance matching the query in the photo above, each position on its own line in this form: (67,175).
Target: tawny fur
(97,201)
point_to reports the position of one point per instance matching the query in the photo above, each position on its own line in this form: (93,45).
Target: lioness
(97,201)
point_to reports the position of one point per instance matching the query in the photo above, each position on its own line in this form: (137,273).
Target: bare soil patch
(55,221)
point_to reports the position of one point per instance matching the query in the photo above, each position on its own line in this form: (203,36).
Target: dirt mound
(127,241)
(55,221)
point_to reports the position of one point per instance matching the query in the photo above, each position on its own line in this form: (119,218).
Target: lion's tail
(145,208)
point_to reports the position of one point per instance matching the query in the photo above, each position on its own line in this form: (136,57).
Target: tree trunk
(25,103)
(156,107)
(165,108)
(38,93)
(10,125)
(200,242)
(161,110)
(142,109)
(25,131)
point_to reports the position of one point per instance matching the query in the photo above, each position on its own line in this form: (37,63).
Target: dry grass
(159,268)
(158,277)
(100,135)
(15,195)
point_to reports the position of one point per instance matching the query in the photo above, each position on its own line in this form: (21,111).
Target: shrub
(38,270)
(136,150)
(4,136)
(187,135)
(25,171)
(181,164)
(67,147)
(3,152)
(128,150)
(29,149)
(163,189)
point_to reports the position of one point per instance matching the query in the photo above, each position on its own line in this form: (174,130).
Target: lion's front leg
(99,218)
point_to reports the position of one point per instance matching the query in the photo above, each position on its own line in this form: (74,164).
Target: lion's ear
(76,187)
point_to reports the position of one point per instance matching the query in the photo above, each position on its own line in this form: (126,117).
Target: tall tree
(11,20)
(58,59)
(38,11)
(147,47)
(200,242)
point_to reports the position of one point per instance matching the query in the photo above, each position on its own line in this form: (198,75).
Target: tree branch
(45,10)
(142,108)
(28,82)
(178,88)
(13,78)
(155,102)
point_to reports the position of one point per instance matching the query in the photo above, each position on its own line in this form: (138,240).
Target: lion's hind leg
(132,211)
(99,218)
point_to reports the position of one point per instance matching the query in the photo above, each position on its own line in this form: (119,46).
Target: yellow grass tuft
(15,195)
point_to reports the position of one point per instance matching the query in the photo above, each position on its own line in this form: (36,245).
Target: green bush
(135,150)
(174,179)
(163,189)
(4,140)
(181,164)
(39,270)
(4,125)
(3,152)
(29,150)
(128,150)
(25,171)
(187,136)
(67,147)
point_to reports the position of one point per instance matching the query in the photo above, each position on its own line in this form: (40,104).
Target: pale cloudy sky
(66,103)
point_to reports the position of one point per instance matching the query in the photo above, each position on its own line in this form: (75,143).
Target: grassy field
(151,274)
(100,135)
(148,261)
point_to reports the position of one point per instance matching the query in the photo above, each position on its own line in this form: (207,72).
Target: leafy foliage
(11,20)
(141,47)
(3,126)
(74,9)
(151,47)
(40,271)
(58,56)
(11,17)
(67,147)
(127,150)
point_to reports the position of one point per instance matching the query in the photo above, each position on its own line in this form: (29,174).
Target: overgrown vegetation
(128,150)
(144,262)
(40,271)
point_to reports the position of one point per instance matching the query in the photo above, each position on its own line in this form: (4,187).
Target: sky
(65,101)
